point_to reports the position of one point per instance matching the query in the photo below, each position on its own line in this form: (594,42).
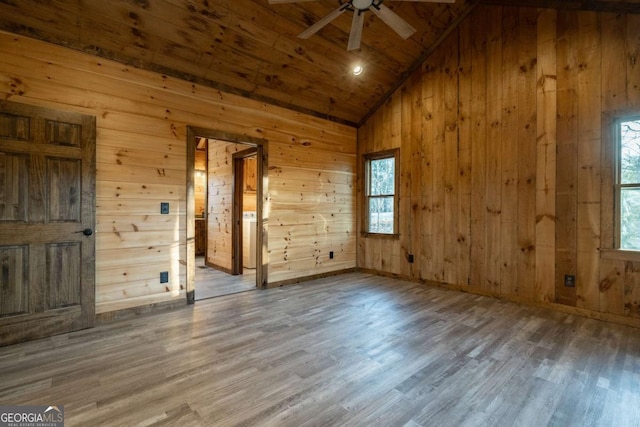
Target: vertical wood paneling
(614,72)
(451,155)
(412,131)
(589,145)
(566,165)
(478,147)
(614,99)
(612,287)
(493,189)
(407,168)
(546,97)
(532,89)
(403,117)
(508,153)
(631,280)
(633,59)
(527,150)
(438,188)
(426,178)
(465,145)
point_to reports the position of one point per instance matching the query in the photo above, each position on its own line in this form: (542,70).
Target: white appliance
(249,230)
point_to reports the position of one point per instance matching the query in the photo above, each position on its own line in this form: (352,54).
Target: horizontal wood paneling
(141,161)
(220,203)
(504,194)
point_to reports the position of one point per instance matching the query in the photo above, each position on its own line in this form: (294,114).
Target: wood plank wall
(501,138)
(141,160)
(220,203)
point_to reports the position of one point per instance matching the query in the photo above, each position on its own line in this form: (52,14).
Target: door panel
(64,189)
(62,274)
(14,126)
(14,178)
(13,274)
(47,198)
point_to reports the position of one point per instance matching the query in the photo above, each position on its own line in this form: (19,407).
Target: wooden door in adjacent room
(47,219)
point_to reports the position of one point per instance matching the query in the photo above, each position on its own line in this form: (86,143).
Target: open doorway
(228,239)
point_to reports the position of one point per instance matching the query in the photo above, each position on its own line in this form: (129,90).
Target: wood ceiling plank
(19,17)
(613,6)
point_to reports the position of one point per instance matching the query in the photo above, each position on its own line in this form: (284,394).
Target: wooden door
(238,200)
(47,218)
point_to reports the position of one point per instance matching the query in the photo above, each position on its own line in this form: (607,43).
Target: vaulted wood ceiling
(250,47)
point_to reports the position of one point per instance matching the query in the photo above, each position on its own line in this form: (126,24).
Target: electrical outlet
(164,208)
(570,280)
(330,254)
(164,277)
(410,258)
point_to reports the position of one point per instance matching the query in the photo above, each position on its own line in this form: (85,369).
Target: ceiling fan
(359,7)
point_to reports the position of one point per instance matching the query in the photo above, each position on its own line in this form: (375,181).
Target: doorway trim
(261,146)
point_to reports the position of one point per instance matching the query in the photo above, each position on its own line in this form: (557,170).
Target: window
(381,193)
(628,183)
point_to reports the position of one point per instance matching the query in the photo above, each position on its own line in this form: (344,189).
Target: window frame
(617,178)
(366,196)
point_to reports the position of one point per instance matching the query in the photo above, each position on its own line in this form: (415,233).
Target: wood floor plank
(212,283)
(348,350)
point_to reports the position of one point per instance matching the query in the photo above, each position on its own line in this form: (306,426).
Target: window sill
(620,255)
(380,235)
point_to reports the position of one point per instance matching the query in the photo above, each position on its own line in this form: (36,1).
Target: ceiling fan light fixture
(357,70)
(361,4)
(358,7)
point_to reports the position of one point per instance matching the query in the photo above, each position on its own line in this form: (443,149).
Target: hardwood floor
(214,283)
(345,350)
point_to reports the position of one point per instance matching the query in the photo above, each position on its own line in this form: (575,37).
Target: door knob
(86,232)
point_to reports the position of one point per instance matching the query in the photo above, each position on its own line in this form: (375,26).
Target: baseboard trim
(561,308)
(133,312)
(308,278)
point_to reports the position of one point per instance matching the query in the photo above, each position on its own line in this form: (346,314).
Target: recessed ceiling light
(357,70)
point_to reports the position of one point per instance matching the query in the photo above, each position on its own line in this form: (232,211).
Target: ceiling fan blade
(289,1)
(355,37)
(396,23)
(322,22)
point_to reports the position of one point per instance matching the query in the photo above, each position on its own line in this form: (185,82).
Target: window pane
(382,176)
(630,152)
(630,218)
(381,215)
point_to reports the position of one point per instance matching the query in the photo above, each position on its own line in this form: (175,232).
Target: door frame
(262,207)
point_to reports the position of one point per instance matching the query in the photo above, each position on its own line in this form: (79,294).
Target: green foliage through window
(381,196)
(629,183)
